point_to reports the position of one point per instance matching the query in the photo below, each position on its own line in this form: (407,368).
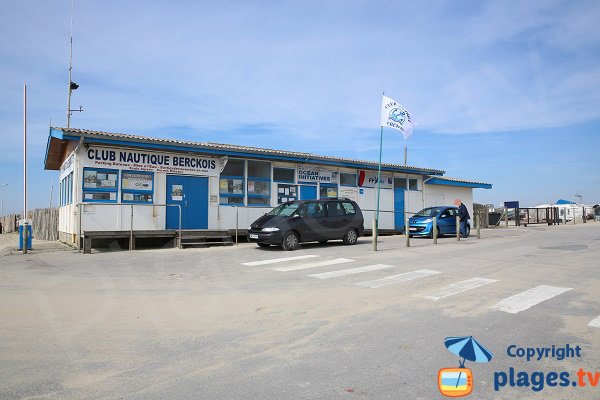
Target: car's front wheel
(263,244)
(291,241)
(350,237)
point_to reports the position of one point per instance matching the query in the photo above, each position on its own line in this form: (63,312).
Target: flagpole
(376,227)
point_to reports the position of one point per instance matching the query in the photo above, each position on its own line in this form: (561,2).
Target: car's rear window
(349,207)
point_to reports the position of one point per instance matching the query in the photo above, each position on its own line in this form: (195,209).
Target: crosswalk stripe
(459,287)
(529,298)
(351,271)
(595,322)
(277,260)
(313,265)
(390,280)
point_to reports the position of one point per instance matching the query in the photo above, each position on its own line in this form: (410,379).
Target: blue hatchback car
(421,224)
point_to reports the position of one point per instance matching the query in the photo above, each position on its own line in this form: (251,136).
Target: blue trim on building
(59,134)
(447,182)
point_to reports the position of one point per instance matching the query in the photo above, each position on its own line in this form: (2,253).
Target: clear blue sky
(506,92)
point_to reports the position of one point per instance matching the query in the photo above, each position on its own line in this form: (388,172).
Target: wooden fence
(482,211)
(44,221)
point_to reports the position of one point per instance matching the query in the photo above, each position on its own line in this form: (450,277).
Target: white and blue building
(105,177)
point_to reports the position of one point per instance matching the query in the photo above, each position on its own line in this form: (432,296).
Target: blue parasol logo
(457,382)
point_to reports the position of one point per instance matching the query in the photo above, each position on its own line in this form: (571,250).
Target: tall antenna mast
(72,85)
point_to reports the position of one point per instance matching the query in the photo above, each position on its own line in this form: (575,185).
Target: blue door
(191,193)
(399,209)
(308,192)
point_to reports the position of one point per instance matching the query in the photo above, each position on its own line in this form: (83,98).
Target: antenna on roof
(72,85)
(579,196)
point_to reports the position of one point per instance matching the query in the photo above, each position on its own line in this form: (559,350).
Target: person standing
(463,216)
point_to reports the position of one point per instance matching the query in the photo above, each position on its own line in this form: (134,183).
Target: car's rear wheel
(291,241)
(467,231)
(350,237)
(263,244)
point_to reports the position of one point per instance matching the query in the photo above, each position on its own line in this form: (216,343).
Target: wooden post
(478,225)
(434,230)
(457,229)
(406,230)
(374,234)
(506,217)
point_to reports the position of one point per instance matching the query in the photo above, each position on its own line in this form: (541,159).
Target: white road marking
(390,280)
(351,271)
(313,265)
(595,323)
(277,260)
(529,298)
(459,287)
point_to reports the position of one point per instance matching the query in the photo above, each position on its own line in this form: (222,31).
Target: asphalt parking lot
(324,322)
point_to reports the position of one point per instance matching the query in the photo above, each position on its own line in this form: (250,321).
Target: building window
(328,191)
(137,187)
(347,179)
(286,193)
(400,183)
(284,175)
(259,169)
(100,185)
(231,190)
(234,167)
(413,184)
(259,183)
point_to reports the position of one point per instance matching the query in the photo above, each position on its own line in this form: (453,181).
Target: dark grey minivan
(295,222)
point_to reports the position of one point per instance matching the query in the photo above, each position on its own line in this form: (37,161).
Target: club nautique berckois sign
(153,161)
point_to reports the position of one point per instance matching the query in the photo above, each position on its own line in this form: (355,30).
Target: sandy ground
(196,323)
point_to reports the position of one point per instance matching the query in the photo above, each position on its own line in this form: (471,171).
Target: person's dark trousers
(463,227)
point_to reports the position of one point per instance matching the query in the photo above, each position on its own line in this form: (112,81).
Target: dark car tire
(468,229)
(290,241)
(263,244)
(437,228)
(350,237)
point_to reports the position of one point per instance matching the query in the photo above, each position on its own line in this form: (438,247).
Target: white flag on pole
(393,115)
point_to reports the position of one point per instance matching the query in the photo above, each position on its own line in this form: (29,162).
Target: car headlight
(428,220)
(272,229)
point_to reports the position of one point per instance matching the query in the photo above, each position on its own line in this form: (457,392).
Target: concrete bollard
(406,230)
(434,230)
(457,229)
(478,225)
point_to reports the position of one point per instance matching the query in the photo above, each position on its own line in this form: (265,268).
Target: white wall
(443,195)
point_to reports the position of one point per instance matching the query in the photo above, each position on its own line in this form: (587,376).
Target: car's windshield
(285,210)
(429,212)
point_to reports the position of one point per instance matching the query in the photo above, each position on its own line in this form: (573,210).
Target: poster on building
(314,174)
(369,179)
(137,181)
(349,193)
(94,179)
(177,192)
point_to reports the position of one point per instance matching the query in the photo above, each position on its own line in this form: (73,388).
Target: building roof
(449,181)
(55,151)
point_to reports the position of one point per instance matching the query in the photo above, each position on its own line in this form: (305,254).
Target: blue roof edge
(59,133)
(448,182)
